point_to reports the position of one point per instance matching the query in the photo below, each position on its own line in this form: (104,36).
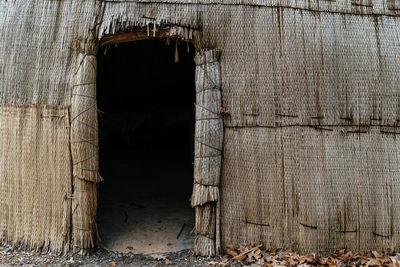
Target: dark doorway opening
(146,128)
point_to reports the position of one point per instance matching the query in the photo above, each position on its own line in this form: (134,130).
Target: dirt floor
(10,257)
(243,256)
(235,257)
(141,207)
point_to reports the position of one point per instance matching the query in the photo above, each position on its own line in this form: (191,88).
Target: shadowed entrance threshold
(144,217)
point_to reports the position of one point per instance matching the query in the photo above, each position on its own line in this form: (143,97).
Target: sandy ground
(144,207)
(144,201)
(146,227)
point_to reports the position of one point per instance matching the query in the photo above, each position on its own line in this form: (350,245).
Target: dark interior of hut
(146,127)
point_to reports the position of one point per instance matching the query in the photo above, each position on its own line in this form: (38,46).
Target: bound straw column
(84,150)
(208,152)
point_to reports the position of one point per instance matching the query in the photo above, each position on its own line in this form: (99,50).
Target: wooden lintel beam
(134,36)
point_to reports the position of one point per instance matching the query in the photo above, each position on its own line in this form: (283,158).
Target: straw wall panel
(37,44)
(283,66)
(35,177)
(362,7)
(302,68)
(276,63)
(311,190)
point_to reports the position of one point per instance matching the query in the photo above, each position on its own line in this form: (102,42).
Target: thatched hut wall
(310,100)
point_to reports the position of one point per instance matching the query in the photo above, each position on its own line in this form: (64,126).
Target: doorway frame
(208,138)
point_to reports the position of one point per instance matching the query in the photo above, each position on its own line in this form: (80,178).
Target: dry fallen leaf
(230,250)
(374,262)
(254,255)
(292,262)
(168,262)
(240,257)
(242,249)
(376,254)
(273,252)
(250,257)
(348,256)
(341,258)
(112,264)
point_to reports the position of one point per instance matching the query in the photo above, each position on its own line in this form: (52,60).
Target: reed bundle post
(208,150)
